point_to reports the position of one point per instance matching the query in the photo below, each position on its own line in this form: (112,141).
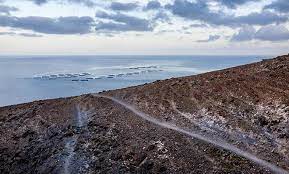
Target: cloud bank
(199,11)
(5,10)
(266,33)
(123,6)
(122,22)
(235,3)
(279,6)
(117,17)
(61,25)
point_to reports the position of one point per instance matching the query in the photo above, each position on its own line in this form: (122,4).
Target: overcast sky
(167,27)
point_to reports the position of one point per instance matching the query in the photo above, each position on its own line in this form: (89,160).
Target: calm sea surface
(28,78)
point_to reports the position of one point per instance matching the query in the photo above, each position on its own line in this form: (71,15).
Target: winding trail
(218,143)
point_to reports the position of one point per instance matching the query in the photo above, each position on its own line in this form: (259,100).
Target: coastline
(28,79)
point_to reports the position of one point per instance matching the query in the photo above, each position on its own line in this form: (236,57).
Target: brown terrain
(229,121)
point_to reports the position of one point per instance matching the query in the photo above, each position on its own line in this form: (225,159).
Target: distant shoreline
(33,79)
(68,97)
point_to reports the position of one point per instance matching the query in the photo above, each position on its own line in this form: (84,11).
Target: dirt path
(218,143)
(75,161)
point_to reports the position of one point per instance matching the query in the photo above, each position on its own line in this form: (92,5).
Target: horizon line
(141,54)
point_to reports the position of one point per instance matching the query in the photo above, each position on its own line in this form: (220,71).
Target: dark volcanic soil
(246,106)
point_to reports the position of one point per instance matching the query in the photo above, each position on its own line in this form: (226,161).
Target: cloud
(161,16)
(263,18)
(88,3)
(7,33)
(159,13)
(61,25)
(235,3)
(211,38)
(39,2)
(7,9)
(153,5)
(123,6)
(279,6)
(122,22)
(189,10)
(272,33)
(244,34)
(29,35)
(20,34)
(199,25)
(199,11)
(266,33)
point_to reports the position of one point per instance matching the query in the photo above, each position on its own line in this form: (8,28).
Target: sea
(29,78)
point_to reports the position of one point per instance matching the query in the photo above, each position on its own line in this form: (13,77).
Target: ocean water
(28,78)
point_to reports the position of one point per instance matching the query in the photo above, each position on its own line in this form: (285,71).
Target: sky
(144,27)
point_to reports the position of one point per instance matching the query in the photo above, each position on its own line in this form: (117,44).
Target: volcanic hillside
(229,121)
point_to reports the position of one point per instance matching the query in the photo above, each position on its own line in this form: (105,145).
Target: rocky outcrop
(246,107)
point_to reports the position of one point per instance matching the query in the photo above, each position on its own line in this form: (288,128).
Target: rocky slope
(246,107)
